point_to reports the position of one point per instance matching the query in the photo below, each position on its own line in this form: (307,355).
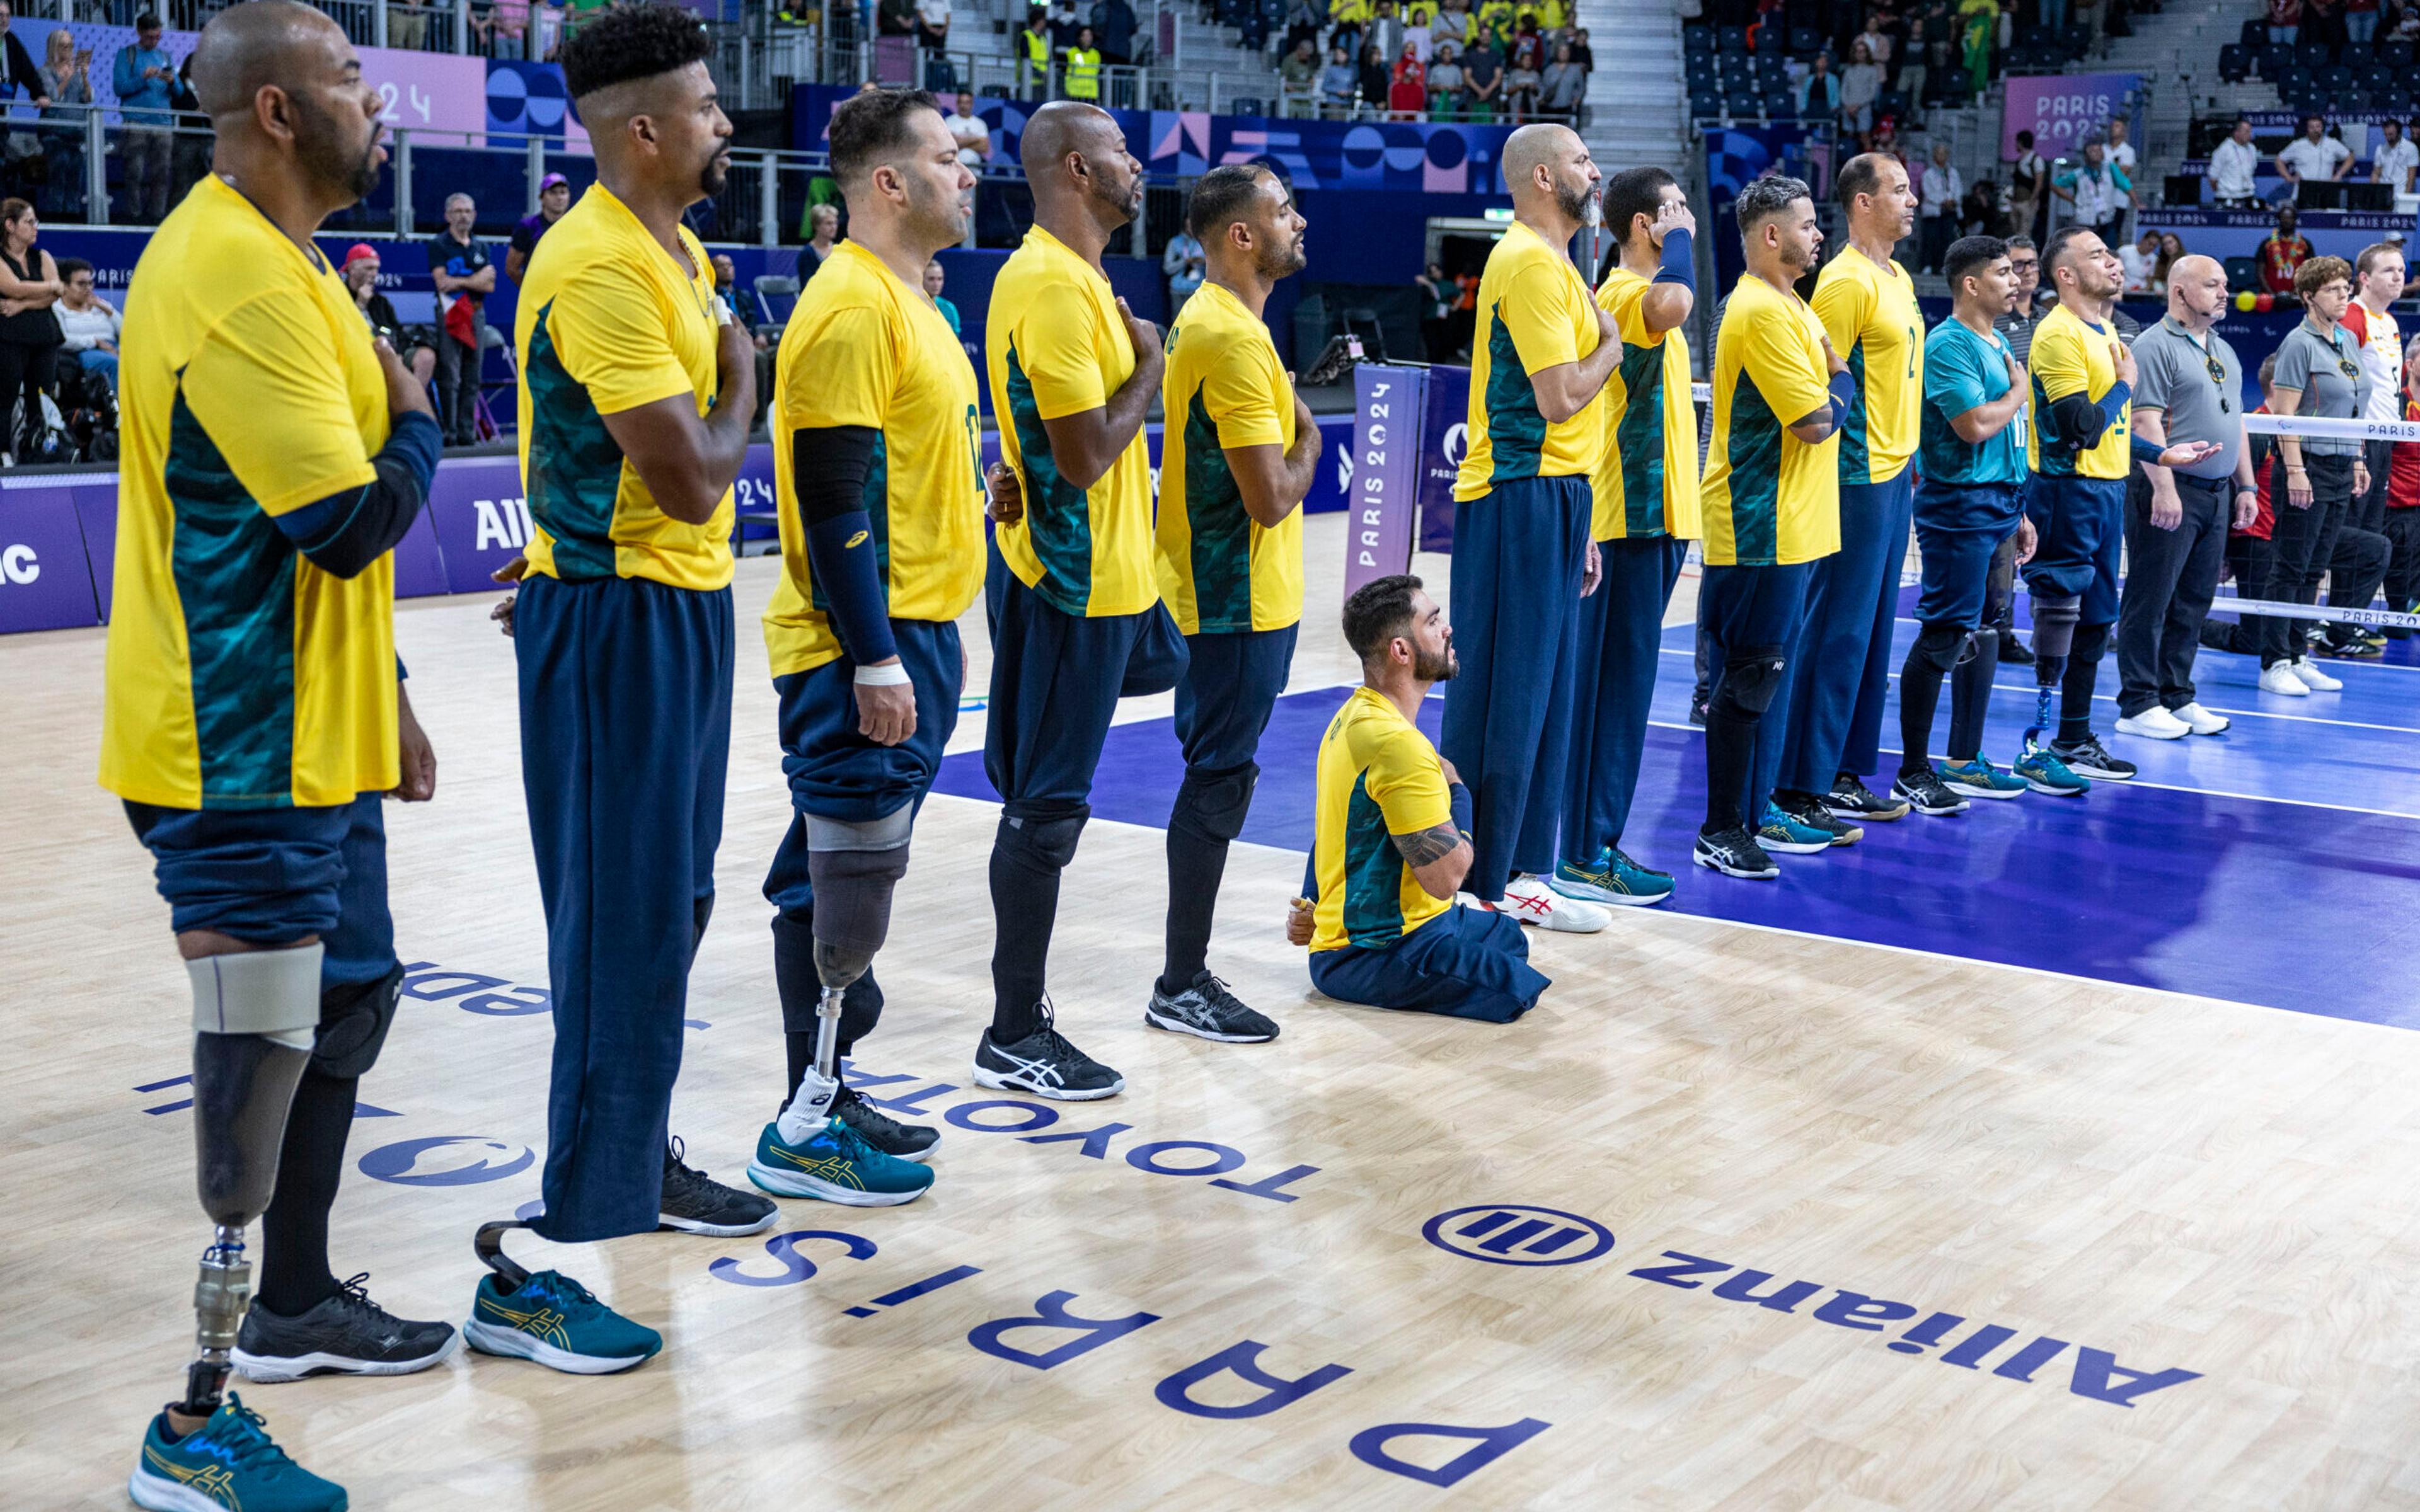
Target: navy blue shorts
(1230,685)
(1056,679)
(276,876)
(2082,527)
(1959,528)
(835,772)
(1465,963)
(1750,608)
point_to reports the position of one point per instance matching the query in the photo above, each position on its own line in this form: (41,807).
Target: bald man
(273,456)
(1074,597)
(2188,387)
(1524,551)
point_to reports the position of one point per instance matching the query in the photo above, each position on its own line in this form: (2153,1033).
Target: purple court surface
(2277,864)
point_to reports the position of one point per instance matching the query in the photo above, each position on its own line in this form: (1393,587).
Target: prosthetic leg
(854,868)
(255,1014)
(2054,622)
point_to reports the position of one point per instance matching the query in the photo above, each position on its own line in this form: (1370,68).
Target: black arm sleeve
(828,467)
(343,534)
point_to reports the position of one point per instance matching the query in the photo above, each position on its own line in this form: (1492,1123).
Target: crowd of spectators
(1437,60)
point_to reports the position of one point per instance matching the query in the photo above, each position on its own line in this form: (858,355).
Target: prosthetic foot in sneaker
(228,1462)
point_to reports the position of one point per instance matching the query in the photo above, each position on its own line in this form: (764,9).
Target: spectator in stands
(1305,21)
(1348,20)
(1084,59)
(1876,41)
(2028,187)
(1298,74)
(1861,81)
(1914,64)
(2285,251)
(2323,22)
(1063,23)
(1338,81)
(65,82)
(1407,91)
(2394,159)
(502,27)
(87,321)
(1436,312)
(17,71)
(935,279)
(407,27)
(2121,151)
(1388,31)
(823,226)
(2172,251)
(1445,84)
(1565,89)
(2136,258)
(2097,188)
(29,332)
(1114,24)
(413,344)
(1938,196)
(2406,29)
(1581,53)
(1453,21)
(2313,154)
(933,23)
(2232,165)
(894,17)
(1524,69)
(2360,22)
(1035,51)
(967,131)
(1375,82)
(2285,27)
(553,198)
(1182,263)
(141,75)
(464,271)
(1979,22)
(1483,79)
(1819,93)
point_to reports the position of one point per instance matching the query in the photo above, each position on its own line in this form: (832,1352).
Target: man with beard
(1524,551)
(1772,506)
(1074,607)
(1393,839)
(637,408)
(274,456)
(2017,329)
(2082,446)
(1832,706)
(1239,454)
(878,466)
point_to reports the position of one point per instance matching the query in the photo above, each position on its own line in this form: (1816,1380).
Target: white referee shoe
(2201,722)
(2280,679)
(2314,679)
(2154,723)
(1529,900)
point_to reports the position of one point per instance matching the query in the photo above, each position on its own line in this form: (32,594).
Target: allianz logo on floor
(1521,1235)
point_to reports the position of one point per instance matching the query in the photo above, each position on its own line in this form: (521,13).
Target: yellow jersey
(240,675)
(1056,345)
(1378,778)
(609,323)
(1646,481)
(862,348)
(1770,498)
(1221,571)
(1534,313)
(1869,310)
(2071,356)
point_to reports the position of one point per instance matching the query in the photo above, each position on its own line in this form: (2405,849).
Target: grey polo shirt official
(2172,376)
(2317,365)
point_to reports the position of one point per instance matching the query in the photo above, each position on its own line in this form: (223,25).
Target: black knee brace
(1042,832)
(2054,622)
(2090,642)
(1751,677)
(353,1021)
(1214,804)
(1942,647)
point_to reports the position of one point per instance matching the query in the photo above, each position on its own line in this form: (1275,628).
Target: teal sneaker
(1780,832)
(1979,778)
(835,1165)
(1612,878)
(559,1324)
(2045,773)
(228,1464)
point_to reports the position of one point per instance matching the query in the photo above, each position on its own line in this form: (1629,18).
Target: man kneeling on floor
(1393,840)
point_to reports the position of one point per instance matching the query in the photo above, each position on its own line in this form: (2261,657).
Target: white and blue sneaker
(1612,878)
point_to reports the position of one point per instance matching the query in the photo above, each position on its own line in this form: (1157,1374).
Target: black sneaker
(1809,811)
(1734,853)
(900,1141)
(346,1334)
(2013,652)
(1697,711)
(2087,759)
(695,1205)
(1927,793)
(1851,799)
(1208,1008)
(1044,1064)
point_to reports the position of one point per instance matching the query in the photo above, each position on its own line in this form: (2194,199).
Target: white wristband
(889,675)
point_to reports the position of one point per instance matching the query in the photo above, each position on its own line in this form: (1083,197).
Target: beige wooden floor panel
(2181,1182)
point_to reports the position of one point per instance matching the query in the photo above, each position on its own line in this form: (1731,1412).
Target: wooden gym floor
(2092,1184)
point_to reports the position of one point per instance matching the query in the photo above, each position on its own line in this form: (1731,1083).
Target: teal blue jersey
(1962,370)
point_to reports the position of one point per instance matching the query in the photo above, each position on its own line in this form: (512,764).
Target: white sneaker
(2201,722)
(2280,679)
(2154,723)
(1529,900)
(2314,679)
